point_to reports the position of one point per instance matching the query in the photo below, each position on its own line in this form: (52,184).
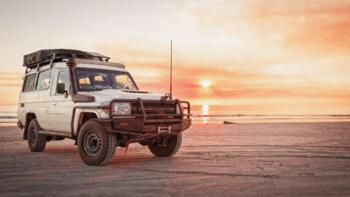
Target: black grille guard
(140,103)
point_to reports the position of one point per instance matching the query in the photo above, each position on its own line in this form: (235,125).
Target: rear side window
(44,79)
(29,83)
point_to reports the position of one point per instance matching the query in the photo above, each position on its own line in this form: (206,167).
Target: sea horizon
(216,114)
(213,114)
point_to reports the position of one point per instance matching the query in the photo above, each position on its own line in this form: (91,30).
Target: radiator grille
(154,108)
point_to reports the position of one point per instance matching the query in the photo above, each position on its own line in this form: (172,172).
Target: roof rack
(49,56)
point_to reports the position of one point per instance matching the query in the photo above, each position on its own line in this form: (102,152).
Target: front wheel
(36,141)
(172,146)
(96,147)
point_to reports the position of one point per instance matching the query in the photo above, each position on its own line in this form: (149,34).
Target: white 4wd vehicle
(80,95)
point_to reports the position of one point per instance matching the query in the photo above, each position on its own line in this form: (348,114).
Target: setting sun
(205,83)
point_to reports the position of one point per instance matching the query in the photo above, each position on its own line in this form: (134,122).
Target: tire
(96,147)
(173,145)
(36,141)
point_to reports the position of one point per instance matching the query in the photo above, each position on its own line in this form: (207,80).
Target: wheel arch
(83,118)
(29,117)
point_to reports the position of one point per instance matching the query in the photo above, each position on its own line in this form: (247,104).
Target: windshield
(97,79)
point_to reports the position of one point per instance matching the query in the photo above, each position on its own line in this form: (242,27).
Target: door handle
(54,103)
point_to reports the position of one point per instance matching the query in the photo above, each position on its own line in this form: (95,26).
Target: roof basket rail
(62,55)
(49,56)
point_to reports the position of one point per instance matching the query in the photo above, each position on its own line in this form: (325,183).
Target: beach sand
(272,159)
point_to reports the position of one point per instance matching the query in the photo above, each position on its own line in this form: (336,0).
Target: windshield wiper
(91,90)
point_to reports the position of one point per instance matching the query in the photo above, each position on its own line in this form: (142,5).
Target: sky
(258,52)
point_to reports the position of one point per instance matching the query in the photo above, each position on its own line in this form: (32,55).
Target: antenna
(171,68)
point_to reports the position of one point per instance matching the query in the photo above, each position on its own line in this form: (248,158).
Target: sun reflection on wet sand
(205,114)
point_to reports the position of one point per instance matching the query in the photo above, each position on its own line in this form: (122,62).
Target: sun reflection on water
(205,114)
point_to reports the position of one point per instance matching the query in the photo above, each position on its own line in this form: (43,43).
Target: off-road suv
(80,95)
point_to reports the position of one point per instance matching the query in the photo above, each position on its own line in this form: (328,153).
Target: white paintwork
(110,94)
(61,108)
(54,111)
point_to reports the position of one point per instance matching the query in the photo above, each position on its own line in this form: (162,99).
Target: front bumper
(140,127)
(143,123)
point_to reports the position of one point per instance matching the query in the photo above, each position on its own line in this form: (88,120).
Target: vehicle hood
(110,94)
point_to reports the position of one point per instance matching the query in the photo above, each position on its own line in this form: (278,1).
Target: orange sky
(253,52)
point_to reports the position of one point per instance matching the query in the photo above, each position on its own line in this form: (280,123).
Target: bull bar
(149,117)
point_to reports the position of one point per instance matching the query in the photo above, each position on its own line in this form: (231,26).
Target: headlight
(121,108)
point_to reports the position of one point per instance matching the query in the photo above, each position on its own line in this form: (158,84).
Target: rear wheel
(169,149)
(94,145)
(36,141)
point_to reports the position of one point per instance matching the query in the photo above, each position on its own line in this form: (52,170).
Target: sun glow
(205,83)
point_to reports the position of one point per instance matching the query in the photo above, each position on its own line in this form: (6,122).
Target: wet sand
(274,159)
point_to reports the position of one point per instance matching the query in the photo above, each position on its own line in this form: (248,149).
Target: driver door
(62,106)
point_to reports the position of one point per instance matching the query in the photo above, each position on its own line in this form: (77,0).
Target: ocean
(213,114)
(8,115)
(217,114)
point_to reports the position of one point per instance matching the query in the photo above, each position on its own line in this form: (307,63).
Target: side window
(44,79)
(63,77)
(29,83)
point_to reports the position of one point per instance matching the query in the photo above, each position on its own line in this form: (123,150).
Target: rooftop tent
(31,60)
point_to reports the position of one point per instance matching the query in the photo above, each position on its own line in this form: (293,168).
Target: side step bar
(52,133)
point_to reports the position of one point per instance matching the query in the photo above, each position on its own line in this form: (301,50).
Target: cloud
(268,27)
(9,79)
(9,95)
(278,50)
(10,85)
(11,74)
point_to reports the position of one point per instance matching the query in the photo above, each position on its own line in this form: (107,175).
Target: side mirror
(60,88)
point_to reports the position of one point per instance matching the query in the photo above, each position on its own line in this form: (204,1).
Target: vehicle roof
(42,59)
(82,63)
